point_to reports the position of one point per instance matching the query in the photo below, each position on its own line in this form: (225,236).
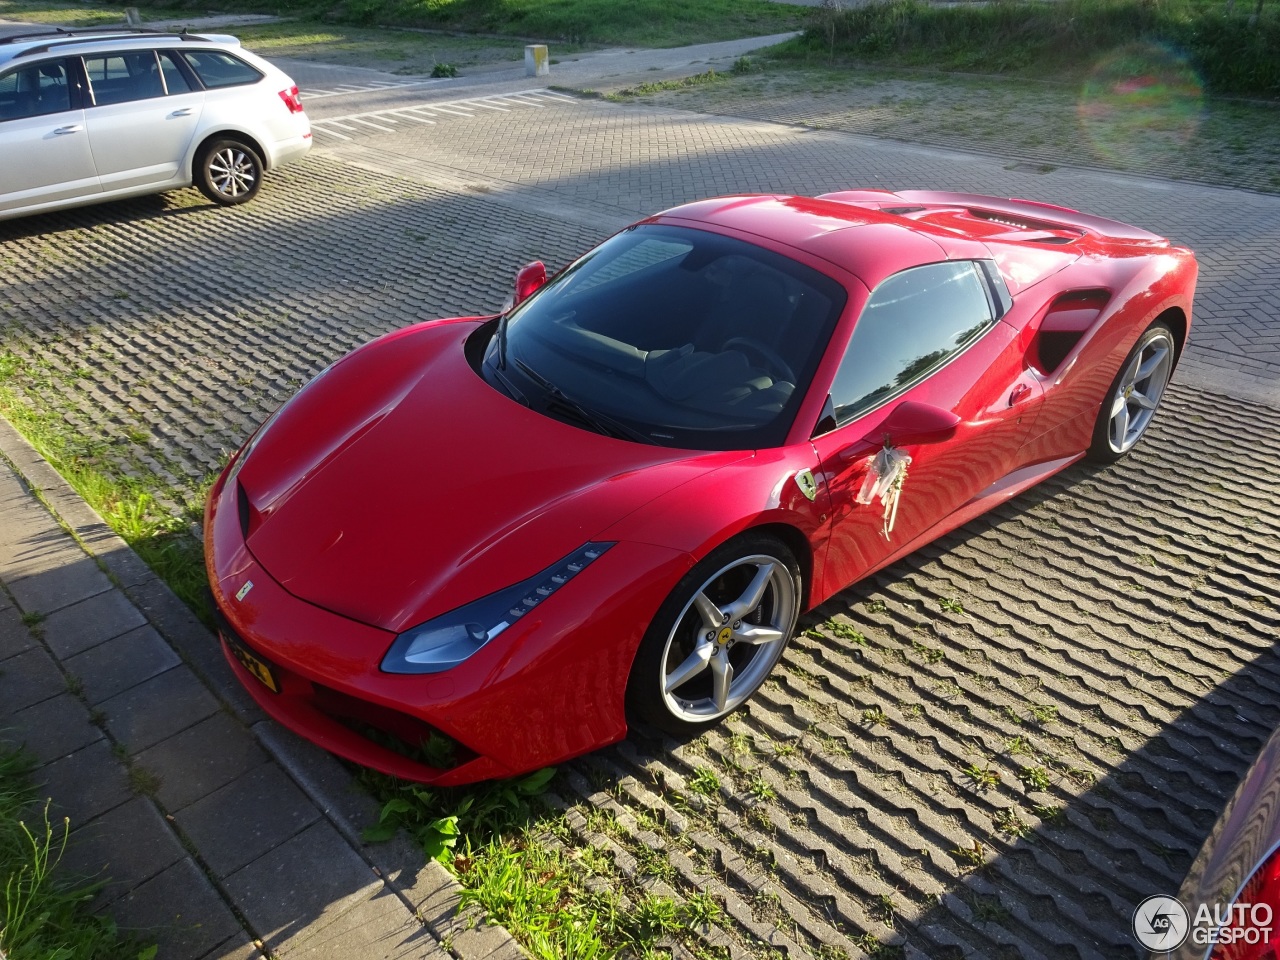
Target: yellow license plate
(259,668)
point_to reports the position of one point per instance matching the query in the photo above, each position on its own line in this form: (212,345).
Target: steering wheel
(773,362)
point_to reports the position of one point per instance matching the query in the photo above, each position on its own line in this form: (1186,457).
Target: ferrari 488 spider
(615,499)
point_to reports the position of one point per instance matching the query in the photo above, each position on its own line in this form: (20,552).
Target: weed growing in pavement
(845,631)
(874,717)
(1043,713)
(974,856)
(40,915)
(884,909)
(705,782)
(1034,778)
(444,70)
(951,605)
(1009,823)
(760,789)
(984,778)
(987,909)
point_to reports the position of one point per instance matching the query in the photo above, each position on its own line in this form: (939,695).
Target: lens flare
(1142,103)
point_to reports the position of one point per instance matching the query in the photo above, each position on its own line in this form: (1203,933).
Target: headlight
(449,639)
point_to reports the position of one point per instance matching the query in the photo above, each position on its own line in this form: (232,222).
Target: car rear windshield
(674,336)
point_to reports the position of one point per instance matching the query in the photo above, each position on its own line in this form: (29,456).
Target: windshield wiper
(598,422)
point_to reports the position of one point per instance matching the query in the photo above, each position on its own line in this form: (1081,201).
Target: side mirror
(531,278)
(914,422)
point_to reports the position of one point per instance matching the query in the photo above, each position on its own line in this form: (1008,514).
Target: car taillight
(291,99)
(1252,932)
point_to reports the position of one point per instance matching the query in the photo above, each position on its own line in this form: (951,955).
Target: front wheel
(229,172)
(1135,395)
(717,636)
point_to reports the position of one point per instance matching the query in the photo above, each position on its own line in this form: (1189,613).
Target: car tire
(723,627)
(229,172)
(1135,394)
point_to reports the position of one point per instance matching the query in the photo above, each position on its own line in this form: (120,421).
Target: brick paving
(1045,710)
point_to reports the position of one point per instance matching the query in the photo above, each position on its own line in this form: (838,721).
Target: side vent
(1068,318)
(244,508)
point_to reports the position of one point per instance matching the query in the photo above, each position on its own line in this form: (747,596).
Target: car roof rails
(62,37)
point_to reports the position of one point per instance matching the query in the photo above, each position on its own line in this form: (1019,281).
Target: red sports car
(614,500)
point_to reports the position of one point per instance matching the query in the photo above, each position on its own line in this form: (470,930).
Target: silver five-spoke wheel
(719,636)
(1135,394)
(1138,394)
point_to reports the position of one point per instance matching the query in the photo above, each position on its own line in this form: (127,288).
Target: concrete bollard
(131,17)
(536,61)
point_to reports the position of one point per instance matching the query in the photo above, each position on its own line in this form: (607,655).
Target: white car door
(143,116)
(44,145)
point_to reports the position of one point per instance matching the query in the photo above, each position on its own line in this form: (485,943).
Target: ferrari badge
(808,486)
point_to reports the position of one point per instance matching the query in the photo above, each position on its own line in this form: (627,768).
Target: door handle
(184,112)
(1020,393)
(74,128)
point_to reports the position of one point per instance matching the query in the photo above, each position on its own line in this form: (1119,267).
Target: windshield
(672,336)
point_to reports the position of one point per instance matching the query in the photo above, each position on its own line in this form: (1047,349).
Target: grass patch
(518,861)
(1165,44)
(662,86)
(42,917)
(640,23)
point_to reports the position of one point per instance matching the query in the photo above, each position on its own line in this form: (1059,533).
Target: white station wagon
(94,115)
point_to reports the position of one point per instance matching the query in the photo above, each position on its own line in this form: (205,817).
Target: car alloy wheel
(718,637)
(1135,395)
(230,173)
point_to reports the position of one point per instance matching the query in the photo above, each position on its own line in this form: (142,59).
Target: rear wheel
(1135,395)
(229,172)
(717,636)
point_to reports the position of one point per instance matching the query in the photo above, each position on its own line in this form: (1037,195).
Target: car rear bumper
(291,148)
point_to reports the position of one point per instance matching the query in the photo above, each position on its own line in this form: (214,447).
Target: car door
(930,338)
(144,114)
(43,141)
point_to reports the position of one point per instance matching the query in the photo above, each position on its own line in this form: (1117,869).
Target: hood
(399,485)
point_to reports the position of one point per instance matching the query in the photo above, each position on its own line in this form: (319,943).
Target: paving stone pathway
(219,835)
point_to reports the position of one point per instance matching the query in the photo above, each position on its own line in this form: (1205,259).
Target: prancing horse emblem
(808,486)
(248,585)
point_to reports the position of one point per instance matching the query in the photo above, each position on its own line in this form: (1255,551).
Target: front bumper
(549,688)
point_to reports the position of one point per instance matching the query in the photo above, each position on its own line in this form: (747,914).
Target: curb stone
(429,892)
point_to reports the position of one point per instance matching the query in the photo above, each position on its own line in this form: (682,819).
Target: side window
(175,80)
(218,69)
(122,77)
(35,90)
(913,323)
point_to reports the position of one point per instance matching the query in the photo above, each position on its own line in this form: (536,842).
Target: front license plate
(251,662)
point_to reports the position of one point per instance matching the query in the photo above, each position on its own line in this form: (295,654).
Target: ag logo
(808,486)
(1160,923)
